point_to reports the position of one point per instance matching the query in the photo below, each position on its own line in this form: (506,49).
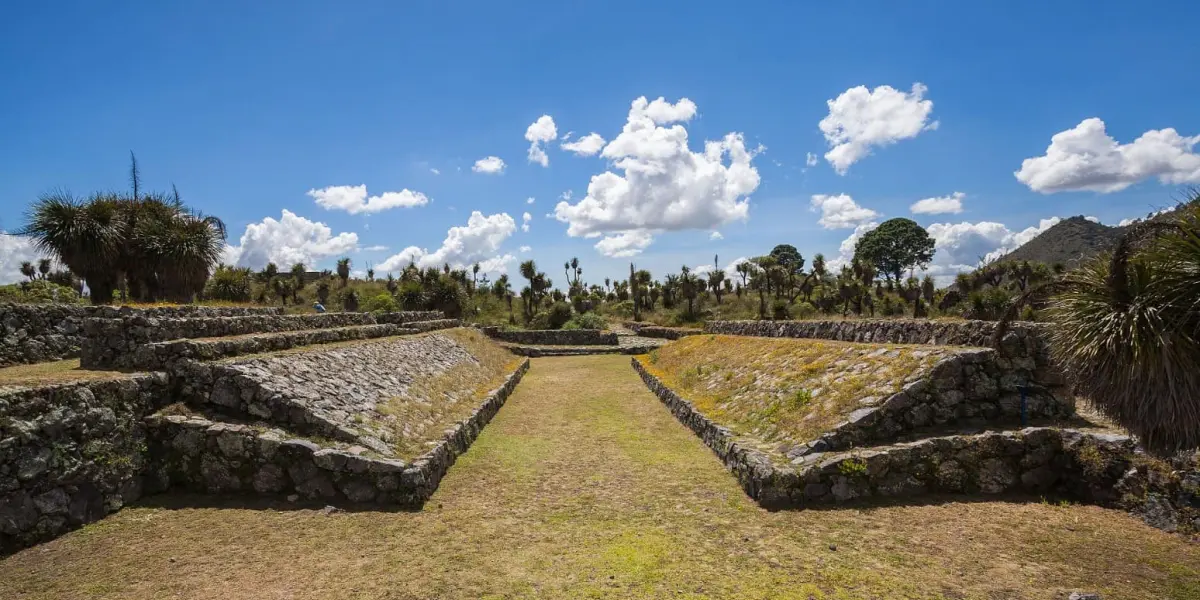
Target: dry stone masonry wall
(655,331)
(32,333)
(70,454)
(202,455)
(332,393)
(553,337)
(119,342)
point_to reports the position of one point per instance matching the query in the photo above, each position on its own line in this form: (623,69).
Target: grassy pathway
(585,486)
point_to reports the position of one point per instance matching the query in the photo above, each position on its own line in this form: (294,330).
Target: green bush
(39,292)
(447,296)
(411,296)
(382,302)
(804,310)
(230,284)
(586,321)
(779,309)
(558,315)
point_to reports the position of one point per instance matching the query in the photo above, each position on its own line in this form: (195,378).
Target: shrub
(853,467)
(350,301)
(411,296)
(447,296)
(804,310)
(586,321)
(231,284)
(39,292)
(558,315)
(382,302)
(779,309)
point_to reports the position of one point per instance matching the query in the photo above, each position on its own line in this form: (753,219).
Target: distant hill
(1074,240)
(1068,242)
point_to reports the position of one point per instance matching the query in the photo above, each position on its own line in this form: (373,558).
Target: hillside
(1067,242)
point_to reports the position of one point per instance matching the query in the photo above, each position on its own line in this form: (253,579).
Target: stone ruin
(955,428)
(279,424)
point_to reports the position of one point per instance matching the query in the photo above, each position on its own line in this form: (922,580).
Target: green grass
(47,373)
(584,486)
(776,389)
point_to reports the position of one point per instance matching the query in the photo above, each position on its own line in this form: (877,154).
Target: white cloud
(810,159)
(664,186)
(435,171)
(373,249)
(588,145)
(939,205)
(525,219)
(15,249)
(716,235)
(1152,214)
(478,241)
(846,248)
(539,132)
(287,241)
(629,243)
(353,199)
(491,165)
(861,119)
(524,249)
(1086,158)
(529,200)
(840,211)
(961,246)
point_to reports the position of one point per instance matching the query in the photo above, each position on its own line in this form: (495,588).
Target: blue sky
(246,107)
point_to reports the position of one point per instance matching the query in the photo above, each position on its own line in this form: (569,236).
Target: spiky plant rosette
(1125,331)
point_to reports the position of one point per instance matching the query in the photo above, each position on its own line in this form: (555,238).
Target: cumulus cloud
(435,171)
(490,165)
(846,248)
(939,205)
(353,199)
(730,269)
(630,243)
(1086,158)
(716,235)
(588,145)
(477,242)
(529,200)
(524,249)
(810,159)
(1151,215)
(373,249)
(14,250)
(290,239)
(961,246)
(840,211)
(662,184)
(540,132)
(525,219)
(860,120)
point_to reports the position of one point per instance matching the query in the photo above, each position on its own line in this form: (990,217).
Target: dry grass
(59,371)
(585,487)
(775,389)
(436,402)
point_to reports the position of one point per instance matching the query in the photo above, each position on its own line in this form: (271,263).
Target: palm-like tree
(1126,330)
(28,270)
(343,270)
(44,266)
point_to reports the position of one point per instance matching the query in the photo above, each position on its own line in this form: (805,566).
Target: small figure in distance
(318,307)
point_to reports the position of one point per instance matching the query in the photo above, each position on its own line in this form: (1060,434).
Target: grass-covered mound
(784,390)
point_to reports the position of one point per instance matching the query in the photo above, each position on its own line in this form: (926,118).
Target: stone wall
(32,333)
(553,337)
(656,331)
(332,393)
(71,453)
(205,456)
(162,355)
(111,342)
(970,387)
(1023,348)
(1034,459)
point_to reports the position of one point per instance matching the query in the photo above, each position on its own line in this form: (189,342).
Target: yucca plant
(1126,330)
